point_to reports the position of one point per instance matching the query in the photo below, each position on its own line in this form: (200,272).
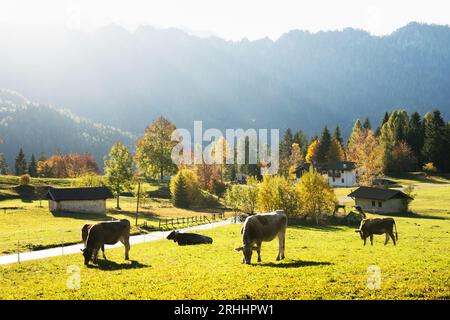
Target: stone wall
(83,206)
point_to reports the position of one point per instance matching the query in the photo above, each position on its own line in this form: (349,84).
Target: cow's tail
(396,234)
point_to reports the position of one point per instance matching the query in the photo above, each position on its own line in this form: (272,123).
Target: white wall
(349,179)
(83,206)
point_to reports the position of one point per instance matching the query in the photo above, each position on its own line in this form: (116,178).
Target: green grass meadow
(322,262)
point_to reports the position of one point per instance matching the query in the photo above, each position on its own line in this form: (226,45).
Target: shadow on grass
(317,227)
(413,215)
(294,264)
(108,265)
(82,216)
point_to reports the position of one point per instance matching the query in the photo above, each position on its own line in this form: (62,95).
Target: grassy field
(35,227)
(322,263)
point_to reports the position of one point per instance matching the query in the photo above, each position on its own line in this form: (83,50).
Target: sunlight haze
(232,19)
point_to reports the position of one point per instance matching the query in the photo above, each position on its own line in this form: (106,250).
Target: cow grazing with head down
(184,239)
(263,227)
(372,226)
(103,233)
(84,236)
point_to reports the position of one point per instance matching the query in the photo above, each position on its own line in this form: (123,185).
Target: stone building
(379,200)
(83,200)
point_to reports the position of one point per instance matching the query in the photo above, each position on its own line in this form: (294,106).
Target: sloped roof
(91,193)
(377,193)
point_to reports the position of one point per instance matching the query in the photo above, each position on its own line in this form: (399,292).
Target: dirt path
(142,238)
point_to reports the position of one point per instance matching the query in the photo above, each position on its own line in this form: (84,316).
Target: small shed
(84,200)
(380,200)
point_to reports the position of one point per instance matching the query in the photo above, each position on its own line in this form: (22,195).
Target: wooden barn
(380,200)
(84,200)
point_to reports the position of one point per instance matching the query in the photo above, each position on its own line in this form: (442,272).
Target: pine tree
(385,119)
(357,128)
(3,164)
(324,145)
(21,164)
(32,168)
(366,124)
(286,147)
(336,151)
(415,136)
(180,196)
(338,136)
(301,139)
(436,141)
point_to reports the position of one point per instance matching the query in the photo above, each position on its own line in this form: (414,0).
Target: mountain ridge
(302,80)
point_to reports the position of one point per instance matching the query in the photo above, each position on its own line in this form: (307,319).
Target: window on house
(373,203)
(342,180)
(334,179)
(379,204)
(342,171)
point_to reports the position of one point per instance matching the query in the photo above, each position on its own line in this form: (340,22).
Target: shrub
(316,195)
(24,180)
(219,188)
(277,192)
(89,180)
(243,197)
(196,197)
(429,167)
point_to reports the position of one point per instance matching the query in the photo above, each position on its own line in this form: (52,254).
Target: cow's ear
(357,231)
(239,249)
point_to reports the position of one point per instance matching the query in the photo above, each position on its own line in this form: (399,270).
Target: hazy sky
(230,19)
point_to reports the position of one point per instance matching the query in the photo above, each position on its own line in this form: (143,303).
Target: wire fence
(27,245)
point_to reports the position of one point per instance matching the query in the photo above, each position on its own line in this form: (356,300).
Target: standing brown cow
(372,226)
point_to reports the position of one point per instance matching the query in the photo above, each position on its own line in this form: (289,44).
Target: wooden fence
(174,223)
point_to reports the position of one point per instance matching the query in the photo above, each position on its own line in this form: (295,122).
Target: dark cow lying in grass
(263,227)
(184,239)
(102,233)
(372,226)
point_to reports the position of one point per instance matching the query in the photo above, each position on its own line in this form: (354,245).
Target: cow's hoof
(278,259)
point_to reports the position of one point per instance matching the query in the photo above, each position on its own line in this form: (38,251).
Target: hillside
(301,80)
(43,128)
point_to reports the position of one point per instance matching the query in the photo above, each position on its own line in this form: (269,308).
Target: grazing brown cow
(106,233)
(372,226)
(84,236)
(263,227)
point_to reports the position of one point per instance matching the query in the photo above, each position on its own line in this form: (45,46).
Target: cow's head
(172,235)
(247,251)
(87,254)
(361,229)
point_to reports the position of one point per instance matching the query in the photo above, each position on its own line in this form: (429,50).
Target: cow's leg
(387,239)
(95,256)
(283,239)
(259,251)
(391,234)
(371,239)
(280,246)
(126,243)
(103,251)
